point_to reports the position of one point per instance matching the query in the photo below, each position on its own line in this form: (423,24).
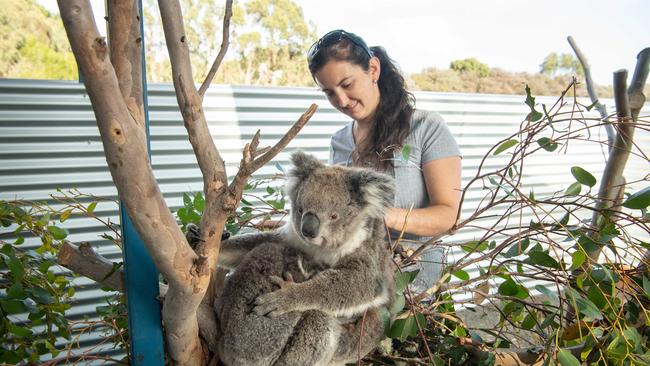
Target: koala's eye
(334,216)
(300,211)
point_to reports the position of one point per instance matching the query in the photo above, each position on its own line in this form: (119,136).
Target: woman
(363,83)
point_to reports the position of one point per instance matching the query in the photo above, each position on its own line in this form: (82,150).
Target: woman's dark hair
(396,104)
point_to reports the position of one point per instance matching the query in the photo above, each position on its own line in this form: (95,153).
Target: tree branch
(222,51)
(125,43)
(125,147)
(628,104)
(85,261)
(639,78)
(592,91)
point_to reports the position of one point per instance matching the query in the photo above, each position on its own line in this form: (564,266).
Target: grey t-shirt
(429,139)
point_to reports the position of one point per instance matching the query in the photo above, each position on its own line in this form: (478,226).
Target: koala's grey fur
(310,293)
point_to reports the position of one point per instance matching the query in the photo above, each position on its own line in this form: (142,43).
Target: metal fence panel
(49,140)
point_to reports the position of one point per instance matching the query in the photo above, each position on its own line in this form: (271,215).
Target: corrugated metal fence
(49,140)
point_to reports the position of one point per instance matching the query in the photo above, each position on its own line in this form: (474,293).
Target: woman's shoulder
(423,118)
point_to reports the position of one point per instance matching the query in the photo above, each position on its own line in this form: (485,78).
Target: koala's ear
(372,190)
(303,166)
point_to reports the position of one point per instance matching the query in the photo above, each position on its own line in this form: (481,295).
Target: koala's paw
(193,235)
(277,302)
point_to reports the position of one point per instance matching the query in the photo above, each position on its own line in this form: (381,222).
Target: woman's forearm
(429,221)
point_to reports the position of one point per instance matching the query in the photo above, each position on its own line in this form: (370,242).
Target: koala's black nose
(309,225)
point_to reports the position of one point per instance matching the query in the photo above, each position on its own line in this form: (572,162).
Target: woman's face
(351,89)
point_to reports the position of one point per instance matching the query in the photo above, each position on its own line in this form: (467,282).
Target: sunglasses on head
(335,37)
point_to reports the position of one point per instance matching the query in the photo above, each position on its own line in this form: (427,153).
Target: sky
(514,35)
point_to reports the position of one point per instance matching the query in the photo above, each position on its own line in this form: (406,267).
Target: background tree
(203,19)
(34,44)
(561,64)
(270,46)
(471,65)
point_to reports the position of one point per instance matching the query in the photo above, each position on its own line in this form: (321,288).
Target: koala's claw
(271,304)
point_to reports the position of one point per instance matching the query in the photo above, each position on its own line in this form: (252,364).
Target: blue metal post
(141,275)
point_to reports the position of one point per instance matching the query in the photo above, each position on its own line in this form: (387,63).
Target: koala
(310,293)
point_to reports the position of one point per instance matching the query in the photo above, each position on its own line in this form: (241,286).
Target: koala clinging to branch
(310,293)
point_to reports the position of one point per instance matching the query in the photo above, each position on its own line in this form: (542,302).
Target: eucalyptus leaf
(547,144)
(406,152)
(583,176)
(565,358)
(638,200)
(577,259)
(543,259)
(402,279)
(508,288)
(461,274)
(548,292)
(91,207)
(505,146)
(574,189)
(58,233)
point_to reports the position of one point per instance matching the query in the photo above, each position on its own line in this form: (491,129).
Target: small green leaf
(182,214)
(530,100)
(592,105)
(508,288)
(13,306)
(543,259)
(505,146)
(187,200)
(65,215)
(548,292)
(41,296)
(529,321)
(461,274)
(535,116)
(475,246)
(638,200)
(547,144)
(565,358)
(404,328)
(517,248)
(574,189)
(19,331)
(402,279)
(585,306)
(406,152)
(583,176)
(16,267)
(577,259)
(199,202)
(58,233)
(91,207)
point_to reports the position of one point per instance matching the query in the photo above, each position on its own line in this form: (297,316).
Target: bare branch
(125,43)
(85,261)
(249,163)
(222,51)
(592,90)
(639,78)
